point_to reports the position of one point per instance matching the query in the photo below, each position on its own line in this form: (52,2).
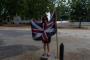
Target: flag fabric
(42,31)
(37,30)
(54,25)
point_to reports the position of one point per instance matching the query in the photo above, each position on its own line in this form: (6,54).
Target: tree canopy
(25,8)
(78,9)
(74,9)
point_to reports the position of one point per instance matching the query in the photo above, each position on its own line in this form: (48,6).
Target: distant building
(16,20)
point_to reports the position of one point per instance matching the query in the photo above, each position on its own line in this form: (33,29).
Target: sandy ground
(17,44)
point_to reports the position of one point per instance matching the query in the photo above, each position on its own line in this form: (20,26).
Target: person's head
(44,18)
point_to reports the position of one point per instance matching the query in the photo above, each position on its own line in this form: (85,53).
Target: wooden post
(61,53)
(57,46)
(56,36)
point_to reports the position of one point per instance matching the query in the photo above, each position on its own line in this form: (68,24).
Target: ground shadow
(1,42)
(14,50)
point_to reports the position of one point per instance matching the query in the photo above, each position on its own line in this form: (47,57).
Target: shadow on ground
(1,42)
(14,50)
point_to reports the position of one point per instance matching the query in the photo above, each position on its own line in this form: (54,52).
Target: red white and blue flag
(42,31)
(53,22)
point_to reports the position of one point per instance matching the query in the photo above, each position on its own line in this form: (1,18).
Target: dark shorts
(47,41)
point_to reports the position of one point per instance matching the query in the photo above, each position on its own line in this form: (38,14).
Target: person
(47,40)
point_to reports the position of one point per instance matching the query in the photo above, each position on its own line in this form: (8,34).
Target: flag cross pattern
(42,31)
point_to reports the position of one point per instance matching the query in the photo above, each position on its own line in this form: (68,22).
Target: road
(19,40)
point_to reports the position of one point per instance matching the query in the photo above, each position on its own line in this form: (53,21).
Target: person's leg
(48,49)
(44,47)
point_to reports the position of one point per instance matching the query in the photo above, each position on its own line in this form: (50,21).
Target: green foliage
(75,9)
(12,7)
(25,8)
(2,10)
(62,10)
(88,10)
(37,8)
(78,10)
(2,7)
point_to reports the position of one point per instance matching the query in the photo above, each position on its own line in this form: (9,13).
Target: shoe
(48,55)
(44,54)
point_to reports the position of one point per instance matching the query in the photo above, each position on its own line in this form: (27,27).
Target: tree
(78,10)
(13,7)
(62,10)
(25,8)
(52,6)
(38,8)
(88,10)
(2,10)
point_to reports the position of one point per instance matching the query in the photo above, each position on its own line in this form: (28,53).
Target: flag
(42,30)
(36,27)
(54,25)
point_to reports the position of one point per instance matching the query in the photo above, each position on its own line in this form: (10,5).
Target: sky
(48,15)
